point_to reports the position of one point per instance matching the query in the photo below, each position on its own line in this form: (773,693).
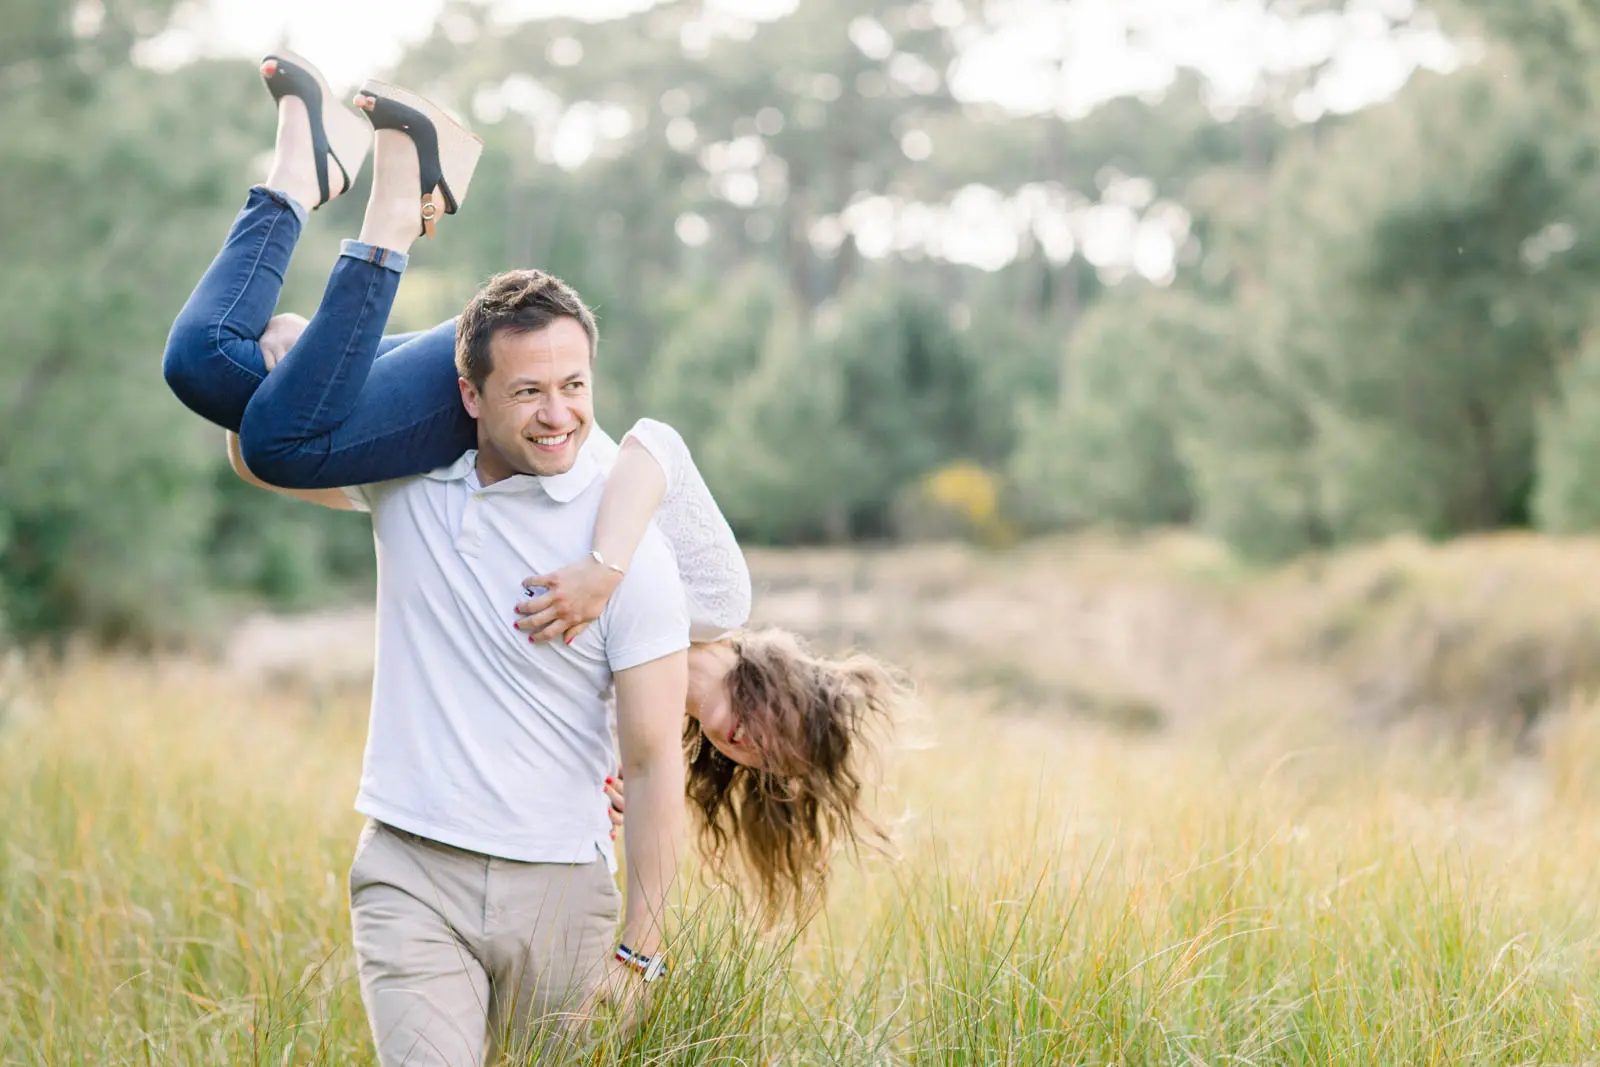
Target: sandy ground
(1036,630)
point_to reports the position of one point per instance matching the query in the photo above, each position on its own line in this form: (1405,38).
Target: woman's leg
(331,413)
(213,357)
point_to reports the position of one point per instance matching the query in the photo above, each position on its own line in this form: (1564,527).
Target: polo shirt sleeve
(366,497)
(358,496)
(648,615)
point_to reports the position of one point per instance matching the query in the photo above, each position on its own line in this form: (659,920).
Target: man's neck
(491,466)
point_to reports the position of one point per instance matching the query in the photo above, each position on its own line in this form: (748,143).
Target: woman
(775,736)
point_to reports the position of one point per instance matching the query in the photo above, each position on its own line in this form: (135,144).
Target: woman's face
(723,724)
(725,728)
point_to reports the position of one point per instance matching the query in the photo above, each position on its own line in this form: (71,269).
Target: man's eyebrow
(575,376)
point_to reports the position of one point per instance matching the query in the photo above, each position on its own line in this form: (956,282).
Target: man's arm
(650,702)
(328,498)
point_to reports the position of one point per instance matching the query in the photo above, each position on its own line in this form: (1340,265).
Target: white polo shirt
(479,738)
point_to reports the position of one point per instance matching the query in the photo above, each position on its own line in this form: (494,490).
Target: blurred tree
(107,504)
(782,462)
(1567,498)
(1428,265)
(913,399)
(717,343)
(1558,40)
(1248,439)
(1107,451)
(777,222)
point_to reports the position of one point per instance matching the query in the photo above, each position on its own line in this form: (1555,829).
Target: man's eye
(575,387)
(527,392)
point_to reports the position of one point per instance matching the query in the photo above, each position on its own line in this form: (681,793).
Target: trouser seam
(261,251)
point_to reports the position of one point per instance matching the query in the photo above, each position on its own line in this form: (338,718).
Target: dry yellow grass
(175,845)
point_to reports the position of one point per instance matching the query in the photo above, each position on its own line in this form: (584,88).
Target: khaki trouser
(459,954)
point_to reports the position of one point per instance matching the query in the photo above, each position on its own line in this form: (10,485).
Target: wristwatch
(649,967)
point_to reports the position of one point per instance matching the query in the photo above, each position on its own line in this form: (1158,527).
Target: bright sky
(1033,56)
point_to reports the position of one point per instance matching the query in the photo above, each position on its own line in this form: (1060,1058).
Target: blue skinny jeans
(332,413)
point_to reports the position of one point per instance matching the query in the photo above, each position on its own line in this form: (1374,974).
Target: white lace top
(712,566)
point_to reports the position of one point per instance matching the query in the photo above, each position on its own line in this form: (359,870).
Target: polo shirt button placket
(471,523)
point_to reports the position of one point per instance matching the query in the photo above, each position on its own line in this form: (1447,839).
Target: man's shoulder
(373,494)
(648,616)
(652,586)
(654,562)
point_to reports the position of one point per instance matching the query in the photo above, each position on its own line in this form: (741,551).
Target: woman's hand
(281,334)
(613,791)
(573,597)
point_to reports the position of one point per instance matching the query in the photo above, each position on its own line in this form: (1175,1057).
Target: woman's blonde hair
(818,723)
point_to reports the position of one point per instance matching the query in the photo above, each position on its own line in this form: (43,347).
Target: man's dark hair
(522,301)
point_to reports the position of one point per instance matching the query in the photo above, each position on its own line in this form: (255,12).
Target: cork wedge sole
(447,153)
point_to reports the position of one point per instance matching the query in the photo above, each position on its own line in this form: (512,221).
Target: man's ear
(469,396)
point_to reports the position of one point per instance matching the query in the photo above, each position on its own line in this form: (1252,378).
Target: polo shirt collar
(562,488)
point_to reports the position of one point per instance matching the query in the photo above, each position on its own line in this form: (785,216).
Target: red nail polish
(608,781)
(569,640)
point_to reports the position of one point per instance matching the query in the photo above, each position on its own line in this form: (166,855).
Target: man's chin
(546,465)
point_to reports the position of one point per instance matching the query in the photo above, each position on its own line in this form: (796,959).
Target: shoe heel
(447,152)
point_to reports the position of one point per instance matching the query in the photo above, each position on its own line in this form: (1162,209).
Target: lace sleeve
(709,559)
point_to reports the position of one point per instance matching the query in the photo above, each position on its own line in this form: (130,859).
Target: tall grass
(173,850)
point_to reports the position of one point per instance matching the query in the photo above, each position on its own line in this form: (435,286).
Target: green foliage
(836,421)
(1107,451)
(1248,451)
(717,344)
(1367,319)
(106,483)
(1420,294)
(779,460)
(1567,499)
(1557,41)
(98,480)
(912,398)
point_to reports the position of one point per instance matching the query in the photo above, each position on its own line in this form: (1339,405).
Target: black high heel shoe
(336,132)
(447,153)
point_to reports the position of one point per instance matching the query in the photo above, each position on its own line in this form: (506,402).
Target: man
(482,896)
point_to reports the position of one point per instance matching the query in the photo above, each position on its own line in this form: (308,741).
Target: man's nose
(553,412)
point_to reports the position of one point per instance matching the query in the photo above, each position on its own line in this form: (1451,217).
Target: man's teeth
(551,440)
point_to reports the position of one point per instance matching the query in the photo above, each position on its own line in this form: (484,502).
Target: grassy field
(175,843)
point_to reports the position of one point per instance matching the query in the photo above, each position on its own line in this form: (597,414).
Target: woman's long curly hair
(819,724)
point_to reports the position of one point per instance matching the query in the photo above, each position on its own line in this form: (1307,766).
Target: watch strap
(650,968)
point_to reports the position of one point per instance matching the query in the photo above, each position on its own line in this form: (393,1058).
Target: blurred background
(1290,275)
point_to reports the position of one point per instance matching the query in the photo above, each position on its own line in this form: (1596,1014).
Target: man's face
(534,410)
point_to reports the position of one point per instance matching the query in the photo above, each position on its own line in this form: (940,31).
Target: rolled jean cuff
(378,257)
(287,201)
